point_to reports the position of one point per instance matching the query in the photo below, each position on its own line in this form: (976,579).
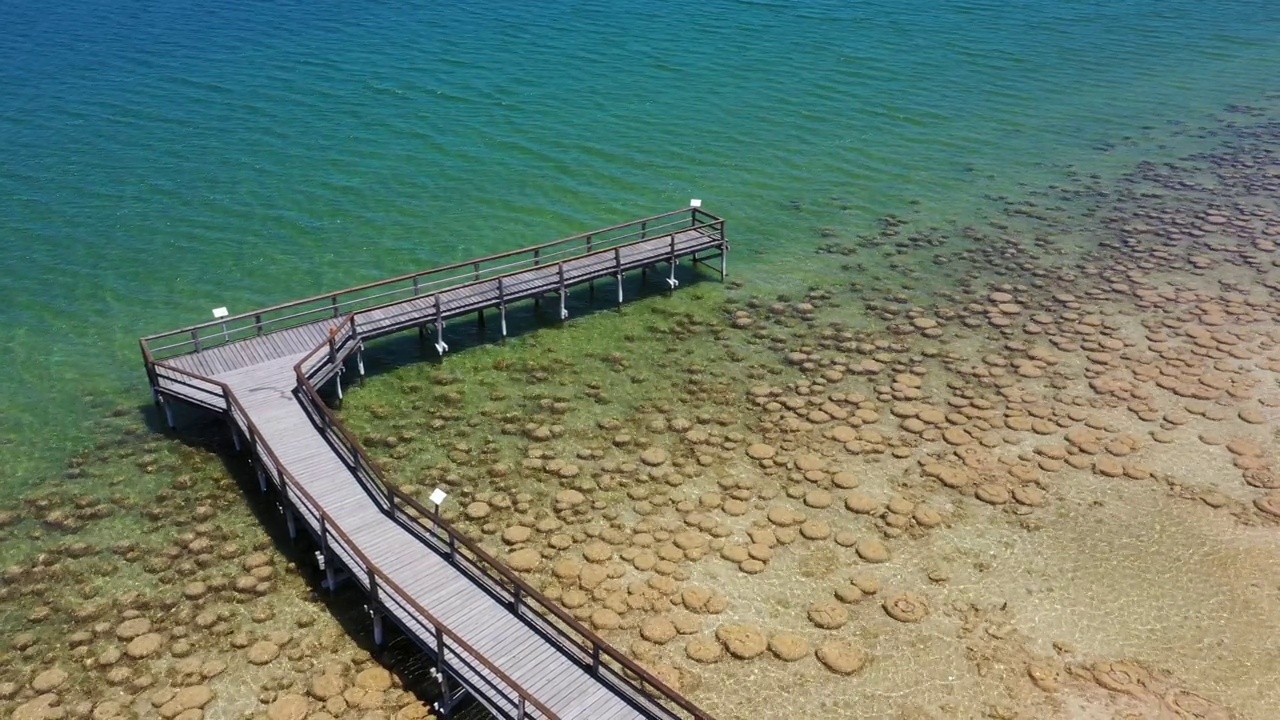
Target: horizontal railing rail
(292,491)
(589,649)
(347,334)
(605,254)
(196,338)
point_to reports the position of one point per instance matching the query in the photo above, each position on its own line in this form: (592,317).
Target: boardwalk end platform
(492,636)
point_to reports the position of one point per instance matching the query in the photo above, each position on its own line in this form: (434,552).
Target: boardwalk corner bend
(493,638)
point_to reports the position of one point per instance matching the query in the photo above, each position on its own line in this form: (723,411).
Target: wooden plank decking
(512,650)
(266,391)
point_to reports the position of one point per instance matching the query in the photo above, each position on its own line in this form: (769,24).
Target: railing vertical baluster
(439,651)
(296,500)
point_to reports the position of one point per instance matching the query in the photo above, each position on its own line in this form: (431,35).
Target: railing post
(515,601)
(595,659)
(590,242)
(195,339)
(334,300)
(476,266)
(537,253)
(415,286)
(439,637)
(257,324)
(644,230)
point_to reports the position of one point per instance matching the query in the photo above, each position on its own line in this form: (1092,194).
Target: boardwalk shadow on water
(399,653)
(347,605)
(525,318)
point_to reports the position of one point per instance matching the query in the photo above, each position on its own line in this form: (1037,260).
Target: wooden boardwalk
(493,637)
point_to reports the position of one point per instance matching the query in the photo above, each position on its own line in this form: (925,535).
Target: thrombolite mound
(917,439)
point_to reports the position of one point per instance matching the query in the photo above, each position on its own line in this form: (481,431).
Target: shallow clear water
(161,159)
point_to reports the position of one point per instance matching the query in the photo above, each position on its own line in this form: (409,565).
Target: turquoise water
(158,159)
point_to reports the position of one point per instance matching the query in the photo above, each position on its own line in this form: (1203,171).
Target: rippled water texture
(161,159)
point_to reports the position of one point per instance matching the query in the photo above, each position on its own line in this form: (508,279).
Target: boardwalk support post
(441,675)
(563,312)
(375,608)
(360,359)
(441,346)
(337,382)
(235,435)
(168,413)
(672,282)
(502,308)
(617,260)
(724,262)
(291,522)
(326,563)
(262,479)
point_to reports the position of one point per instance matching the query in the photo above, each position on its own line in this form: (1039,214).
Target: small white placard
(695,203)
(438,496)
(219,313)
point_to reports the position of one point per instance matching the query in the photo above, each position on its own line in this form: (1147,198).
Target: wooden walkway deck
(494,638)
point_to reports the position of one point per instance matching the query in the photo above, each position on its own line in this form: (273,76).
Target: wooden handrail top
(326,310)
(431,619)
(692,212)
(350,545)
(340,312)
(487,561)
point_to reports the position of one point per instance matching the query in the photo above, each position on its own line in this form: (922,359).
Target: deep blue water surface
(158,159)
